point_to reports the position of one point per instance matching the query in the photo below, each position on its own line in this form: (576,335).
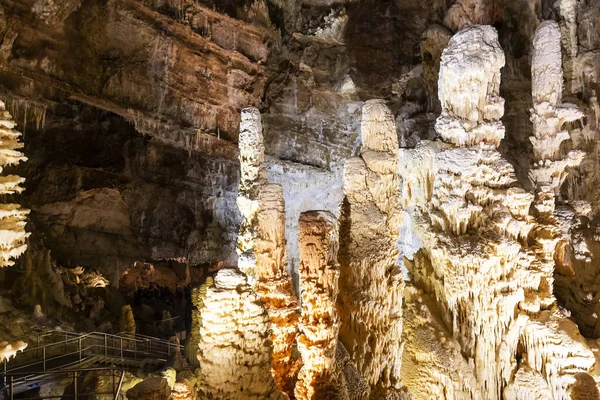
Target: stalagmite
(252,177)
(552,346)
(319,273)
(262,248)
(235,350)
(548,116)
(371,282)
(274,286)
(191,347)
(127,321)
(470,218)
(12,216)
(484,258)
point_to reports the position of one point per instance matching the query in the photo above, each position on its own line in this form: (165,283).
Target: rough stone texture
(320,324)
(235,350)
(549,115)
(473,222)
(9,350)
(252,178)
(262,248)
(433,366)
(150,389)
(370,280)
(191,347)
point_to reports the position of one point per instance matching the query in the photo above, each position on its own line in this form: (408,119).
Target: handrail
(81,335)
(120,386)
(23,378)
(69,349)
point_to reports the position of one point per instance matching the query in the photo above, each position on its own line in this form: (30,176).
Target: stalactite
(371,282)
(319,274)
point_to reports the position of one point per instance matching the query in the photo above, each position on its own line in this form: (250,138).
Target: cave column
(319,325)
(262,247)
(371,284)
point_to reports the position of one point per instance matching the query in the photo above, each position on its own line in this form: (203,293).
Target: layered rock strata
(371,282)
(319,325)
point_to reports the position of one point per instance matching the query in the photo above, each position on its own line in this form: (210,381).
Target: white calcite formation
(234,349)
(262,247)
(12,216)
(252,177)
(319,326)
(9,350)
(371,282)
(490,287)
(548,116)
(468,216)
(274,286)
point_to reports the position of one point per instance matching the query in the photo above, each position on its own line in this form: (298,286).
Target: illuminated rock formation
(235,350)
(493,291)
(191,347)
(319,326)
(371,282)
(262,248)
(469,218)
(252,177)
(9,350)
(127,321)
(432,364)
(182,390)
(274,286)
(553,346)
(548,116)
(12,217)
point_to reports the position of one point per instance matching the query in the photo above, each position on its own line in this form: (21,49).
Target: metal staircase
(56,355)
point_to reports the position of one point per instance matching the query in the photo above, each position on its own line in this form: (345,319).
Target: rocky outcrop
(319,325)
(235,350)
(370,280)
(180,79)
(151,389)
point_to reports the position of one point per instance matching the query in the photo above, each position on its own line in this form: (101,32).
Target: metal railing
(57,350)
(71,379)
